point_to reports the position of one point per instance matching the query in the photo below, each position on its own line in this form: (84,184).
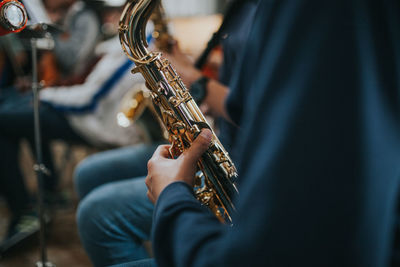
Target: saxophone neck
(132,28)
(162,38)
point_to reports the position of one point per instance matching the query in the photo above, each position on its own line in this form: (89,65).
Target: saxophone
(215,181)
(135,106)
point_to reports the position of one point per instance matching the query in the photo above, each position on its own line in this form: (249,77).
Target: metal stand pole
(39,168)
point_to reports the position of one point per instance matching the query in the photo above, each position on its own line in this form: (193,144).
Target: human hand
(162,170)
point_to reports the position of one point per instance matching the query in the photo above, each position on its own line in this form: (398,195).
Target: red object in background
(13,17)
(211,68)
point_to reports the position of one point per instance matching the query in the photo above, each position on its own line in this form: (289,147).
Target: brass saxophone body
(215,186)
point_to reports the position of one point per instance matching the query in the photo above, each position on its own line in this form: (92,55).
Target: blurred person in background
(72,56)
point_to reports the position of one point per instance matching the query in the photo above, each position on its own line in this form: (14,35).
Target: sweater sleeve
(177,206)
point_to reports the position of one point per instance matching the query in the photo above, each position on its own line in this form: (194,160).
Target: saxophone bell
(136,108)
(133,104)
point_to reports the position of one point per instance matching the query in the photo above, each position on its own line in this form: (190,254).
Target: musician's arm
(80,41)
(216,92)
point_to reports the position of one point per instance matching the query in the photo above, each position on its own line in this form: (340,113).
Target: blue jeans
(114,215)
(141,263)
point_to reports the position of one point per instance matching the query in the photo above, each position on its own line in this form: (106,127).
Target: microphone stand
(35,34)
(39,167)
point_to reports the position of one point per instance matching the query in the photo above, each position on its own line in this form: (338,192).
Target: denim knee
(91,216)
(110,166)
(113,220)
(82,175)
(86,215)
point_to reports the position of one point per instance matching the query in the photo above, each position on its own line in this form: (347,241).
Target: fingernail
(206,134)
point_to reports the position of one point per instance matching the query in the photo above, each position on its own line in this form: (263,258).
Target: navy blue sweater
(319,108)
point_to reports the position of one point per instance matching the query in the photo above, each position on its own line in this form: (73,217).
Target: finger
(162,151)
(147,181)
(150,197)
(204,108)
(198,147)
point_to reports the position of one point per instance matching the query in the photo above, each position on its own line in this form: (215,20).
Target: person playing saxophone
(319,146)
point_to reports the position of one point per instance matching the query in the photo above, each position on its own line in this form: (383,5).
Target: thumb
(198,147)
